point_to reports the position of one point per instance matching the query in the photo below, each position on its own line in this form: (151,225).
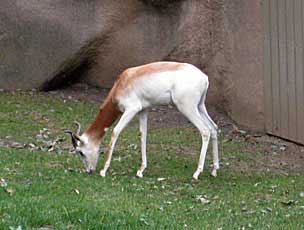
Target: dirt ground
(273,154)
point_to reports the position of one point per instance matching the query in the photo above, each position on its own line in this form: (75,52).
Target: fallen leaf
(243,132)
(3,183)
(10,191)
(161,179)
(263,211)
(244,209)
(17,145)
(302,194)
(269,209)
(142,219)
(117,159)
(282,148)
(203,200)
(77,191)
(31,145)
(288,202)
(250,212)
(47,227)
(51,149)
(15,228)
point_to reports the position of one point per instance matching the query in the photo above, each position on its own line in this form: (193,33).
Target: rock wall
(245,82)
(37,36)
(49,43)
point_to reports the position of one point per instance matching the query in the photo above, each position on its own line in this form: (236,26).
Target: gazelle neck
(107,115)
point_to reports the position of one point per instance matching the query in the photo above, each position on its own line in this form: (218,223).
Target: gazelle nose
(90,171)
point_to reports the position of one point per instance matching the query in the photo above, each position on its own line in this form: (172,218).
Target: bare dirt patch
(264,153)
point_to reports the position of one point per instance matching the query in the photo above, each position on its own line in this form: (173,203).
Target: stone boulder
(49,44)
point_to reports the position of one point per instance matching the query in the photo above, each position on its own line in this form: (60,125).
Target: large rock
(37,36)
(49,43)
(244,91)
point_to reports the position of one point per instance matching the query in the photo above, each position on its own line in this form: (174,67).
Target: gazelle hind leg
(216,164)
(213,128)
(192,113)
(201,162)
(143,120)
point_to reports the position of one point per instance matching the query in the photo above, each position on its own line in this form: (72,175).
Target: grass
(48,190)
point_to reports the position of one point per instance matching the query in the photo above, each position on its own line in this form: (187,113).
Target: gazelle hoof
(139,174)
(214,173)
(195,175)
(102,173)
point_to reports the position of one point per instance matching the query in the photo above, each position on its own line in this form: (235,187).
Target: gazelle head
(85,148)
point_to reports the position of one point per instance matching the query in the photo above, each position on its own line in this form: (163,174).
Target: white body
(164,87)
(181,84)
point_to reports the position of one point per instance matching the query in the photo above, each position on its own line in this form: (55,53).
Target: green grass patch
(48,190)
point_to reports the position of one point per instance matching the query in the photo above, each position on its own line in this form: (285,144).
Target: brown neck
(107,115)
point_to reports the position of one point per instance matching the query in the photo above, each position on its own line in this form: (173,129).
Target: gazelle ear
(75,138)
(78,127)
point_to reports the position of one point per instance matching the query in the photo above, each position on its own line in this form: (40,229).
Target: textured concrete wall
(43,39)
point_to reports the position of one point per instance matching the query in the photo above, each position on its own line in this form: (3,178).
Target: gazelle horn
(72,137)
(78,127)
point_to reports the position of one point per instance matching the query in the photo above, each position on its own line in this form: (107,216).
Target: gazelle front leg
(124,120)
(143,120)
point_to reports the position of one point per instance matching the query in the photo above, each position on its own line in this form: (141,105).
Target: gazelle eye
(80,153)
